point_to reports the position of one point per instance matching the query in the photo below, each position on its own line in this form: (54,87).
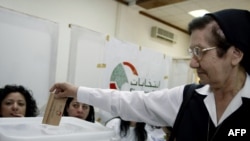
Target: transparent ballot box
(69,129)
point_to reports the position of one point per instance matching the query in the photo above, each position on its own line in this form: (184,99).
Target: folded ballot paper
(54,110)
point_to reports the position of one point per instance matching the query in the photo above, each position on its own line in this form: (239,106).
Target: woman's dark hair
(217,39)
(140,132)
(91,115)
(31,106)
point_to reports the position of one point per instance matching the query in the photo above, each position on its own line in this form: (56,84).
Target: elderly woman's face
(13,105)
(79,110)
(210,68)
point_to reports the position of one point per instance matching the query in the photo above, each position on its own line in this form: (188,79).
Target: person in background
(127,130)
(217,109)
(17,101)
(102,116)
(156,133)
(79,110)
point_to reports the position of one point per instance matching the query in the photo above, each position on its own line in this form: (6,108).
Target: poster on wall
(98,60)
(131,67)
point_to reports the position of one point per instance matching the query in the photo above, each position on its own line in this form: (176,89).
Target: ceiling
(174,13)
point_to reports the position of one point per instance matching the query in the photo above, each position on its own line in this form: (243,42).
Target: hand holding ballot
(55,107)
(64,90)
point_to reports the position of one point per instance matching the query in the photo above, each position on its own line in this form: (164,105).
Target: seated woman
(79,110)
(17,101)
(128,130)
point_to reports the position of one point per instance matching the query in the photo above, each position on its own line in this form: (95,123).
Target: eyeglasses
(198,52)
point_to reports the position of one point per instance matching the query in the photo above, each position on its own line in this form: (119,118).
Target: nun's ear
(237,56)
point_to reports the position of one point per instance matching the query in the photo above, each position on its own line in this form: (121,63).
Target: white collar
(233,106)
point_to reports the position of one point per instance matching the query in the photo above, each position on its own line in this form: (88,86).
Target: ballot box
(69,129)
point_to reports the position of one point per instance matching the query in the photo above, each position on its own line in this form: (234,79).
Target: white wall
(105,16)
(136,28)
